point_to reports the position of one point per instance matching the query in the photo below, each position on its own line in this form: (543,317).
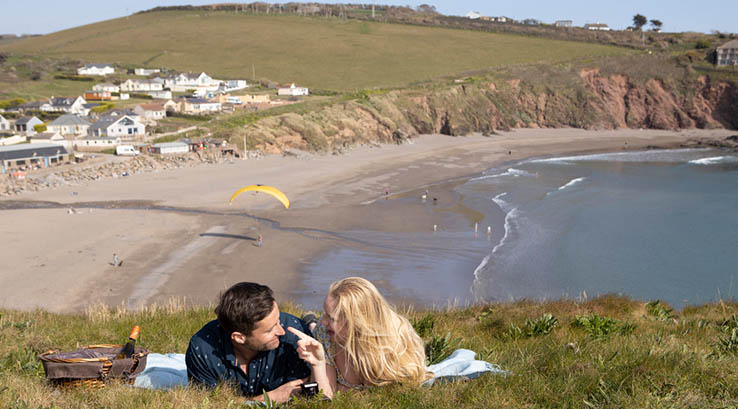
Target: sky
(47,16)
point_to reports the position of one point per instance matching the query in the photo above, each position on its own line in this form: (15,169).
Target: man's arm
(198,370)
(281,394)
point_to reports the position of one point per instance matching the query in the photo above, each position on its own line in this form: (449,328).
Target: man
(247,345)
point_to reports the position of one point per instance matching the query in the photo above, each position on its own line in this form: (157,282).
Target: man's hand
(283,393)
(308,348)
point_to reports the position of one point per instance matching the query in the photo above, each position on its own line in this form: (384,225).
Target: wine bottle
(128,348)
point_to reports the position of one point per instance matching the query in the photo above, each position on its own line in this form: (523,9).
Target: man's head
(249,313)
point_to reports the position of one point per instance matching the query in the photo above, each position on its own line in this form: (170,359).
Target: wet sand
(193,245)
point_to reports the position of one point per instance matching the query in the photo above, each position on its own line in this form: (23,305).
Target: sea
(655,224)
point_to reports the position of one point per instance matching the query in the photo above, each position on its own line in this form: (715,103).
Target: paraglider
(266,189)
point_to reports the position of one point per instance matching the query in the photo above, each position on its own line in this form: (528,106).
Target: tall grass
(611,352)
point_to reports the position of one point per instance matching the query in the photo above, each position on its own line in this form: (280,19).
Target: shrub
(40,128)
(659,312)
(601,327)
(73,77)
(703,43)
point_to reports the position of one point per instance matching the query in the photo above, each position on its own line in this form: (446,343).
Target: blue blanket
(167,371)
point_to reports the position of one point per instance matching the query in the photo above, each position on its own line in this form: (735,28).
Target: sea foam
(714,160)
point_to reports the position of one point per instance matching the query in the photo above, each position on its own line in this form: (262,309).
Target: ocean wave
(508,172)
(714,160)
(656,155)
(572,183)
(509,217)
(505,206)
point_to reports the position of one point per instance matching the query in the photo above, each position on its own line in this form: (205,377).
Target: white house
(47,137)
(111,126)
(4,124)
(292,90)
(164,94)
(185,81)
(96,69)
(136,85)
(232,85)
(563,23)
(69,124)
(150,112)
(473,15)
(170,147)
(198,106)
(146,71)
(73,105)
(25,125)
(92,141)
(106,86)
(597,27)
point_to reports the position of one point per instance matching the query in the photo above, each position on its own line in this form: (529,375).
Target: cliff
(589,100)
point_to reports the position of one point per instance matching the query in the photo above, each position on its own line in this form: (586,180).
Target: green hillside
(325,53)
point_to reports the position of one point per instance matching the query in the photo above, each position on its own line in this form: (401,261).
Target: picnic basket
(93,366)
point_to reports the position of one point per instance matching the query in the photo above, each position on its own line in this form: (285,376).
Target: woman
(361,341)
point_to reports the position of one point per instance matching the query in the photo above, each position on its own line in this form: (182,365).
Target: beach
(178,237)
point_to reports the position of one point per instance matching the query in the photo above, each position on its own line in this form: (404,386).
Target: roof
(91,105)
(45,135)
(25,120)
(152,107)
(57,101)
(105,84)
(199,101)
(27,150)
(69,119)
(729,44)
(169,145)
(98,65)
(104,138)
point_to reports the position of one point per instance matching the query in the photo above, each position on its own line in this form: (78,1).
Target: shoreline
(184,254)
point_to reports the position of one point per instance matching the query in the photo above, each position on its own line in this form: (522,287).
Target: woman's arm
(312,352)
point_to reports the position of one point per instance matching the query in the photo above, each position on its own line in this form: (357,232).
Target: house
(106,86)
(292,90)
(24,125)
(563,23)
(73,105)
(186,81)
(232,85)
(12,140)
(47,137)
(116,126)
(150,113)
(69,124)
(37,154)
(502,19)
(98,96)
(96,69)
(35,106)
(597,27)
(97,141)
(727,54)
(170,106)
(136,85)
(473,15)
(198,106)
(145,72)
(164,94)
(4,124)
(170,148)
(532,22)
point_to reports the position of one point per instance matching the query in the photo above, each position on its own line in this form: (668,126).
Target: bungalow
(473,15)
(69,124)
(170,106)
(597,27)
(292,91)
(150,112)
(184,81)
(170,147)
(25,125)
(106,86)
(135,85)
(98,96)
(47,137)
(35,106)
(563,23)
(727,54)
(164,94)
(37,154)
(96,69)
(73,105)
(111,126)
(198,106)
(4,124)
(97,141)
(145,72)
(232,85)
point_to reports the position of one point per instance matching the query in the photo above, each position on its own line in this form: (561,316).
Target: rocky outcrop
(587,100)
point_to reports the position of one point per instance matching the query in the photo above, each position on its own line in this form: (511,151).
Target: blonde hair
(381,344)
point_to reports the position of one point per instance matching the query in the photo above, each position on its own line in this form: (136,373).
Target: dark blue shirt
(210,359)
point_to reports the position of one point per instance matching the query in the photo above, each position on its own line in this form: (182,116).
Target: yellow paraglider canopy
(266,189)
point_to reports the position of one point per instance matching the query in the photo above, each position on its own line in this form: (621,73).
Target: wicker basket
(92,367)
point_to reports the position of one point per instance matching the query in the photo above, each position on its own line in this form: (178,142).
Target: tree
(639,21)
(656,24)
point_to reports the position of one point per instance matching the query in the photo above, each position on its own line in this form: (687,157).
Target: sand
(193,245)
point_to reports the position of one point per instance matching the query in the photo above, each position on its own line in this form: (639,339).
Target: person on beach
(361,341)
(259,241)
(248,347)
(115,260)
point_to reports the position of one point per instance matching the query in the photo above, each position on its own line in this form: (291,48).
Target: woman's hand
(308,348)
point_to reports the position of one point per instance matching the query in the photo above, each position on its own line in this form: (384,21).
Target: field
(610,352)
(322,53)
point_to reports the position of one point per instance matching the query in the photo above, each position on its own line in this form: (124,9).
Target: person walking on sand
(259,241)
(115,260)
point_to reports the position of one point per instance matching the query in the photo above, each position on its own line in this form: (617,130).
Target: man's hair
(242,306)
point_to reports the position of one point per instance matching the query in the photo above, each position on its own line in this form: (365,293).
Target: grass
(332,54)
(611,352)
